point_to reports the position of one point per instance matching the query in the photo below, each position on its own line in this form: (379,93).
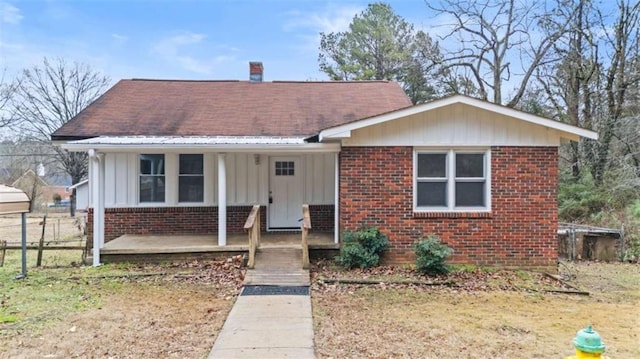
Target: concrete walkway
(272,325)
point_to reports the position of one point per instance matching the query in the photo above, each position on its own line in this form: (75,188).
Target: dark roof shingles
(231,108)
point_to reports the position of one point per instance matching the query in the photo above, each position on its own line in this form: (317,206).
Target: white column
(336,200)
(96,182)
(222,200)
(101,195)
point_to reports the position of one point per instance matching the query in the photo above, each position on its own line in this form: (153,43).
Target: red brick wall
(169,220)
(191,220)
(322,217)
(376,186)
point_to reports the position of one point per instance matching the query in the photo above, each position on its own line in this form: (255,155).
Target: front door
(285,192)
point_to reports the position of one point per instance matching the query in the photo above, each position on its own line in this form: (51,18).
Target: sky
(197,39)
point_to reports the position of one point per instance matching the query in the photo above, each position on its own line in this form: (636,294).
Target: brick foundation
(191,220)
(376,187)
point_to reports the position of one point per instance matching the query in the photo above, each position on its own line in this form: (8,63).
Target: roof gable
(566,131)
(230,108)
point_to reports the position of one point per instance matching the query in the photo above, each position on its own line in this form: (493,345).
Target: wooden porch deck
(185,244)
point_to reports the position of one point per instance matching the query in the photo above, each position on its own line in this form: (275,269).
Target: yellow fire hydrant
(588,344)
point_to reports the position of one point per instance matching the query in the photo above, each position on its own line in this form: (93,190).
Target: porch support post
(222,200)
(336,200)
(97,162)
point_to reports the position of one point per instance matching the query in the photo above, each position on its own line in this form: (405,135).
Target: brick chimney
(255,71)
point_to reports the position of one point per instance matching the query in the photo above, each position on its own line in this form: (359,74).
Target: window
(451,180)
(191,179)
(152,180)
(285,168)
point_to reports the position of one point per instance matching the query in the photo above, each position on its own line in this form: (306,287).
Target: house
(82,195)
(192,157)
(41,193)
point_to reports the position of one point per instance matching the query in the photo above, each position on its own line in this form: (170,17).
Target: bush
(431,254)
(57,198)
(362,248)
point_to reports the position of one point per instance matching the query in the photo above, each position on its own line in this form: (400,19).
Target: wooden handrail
(252,226)
(306,226)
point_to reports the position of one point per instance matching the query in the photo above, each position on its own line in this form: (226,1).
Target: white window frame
(140,174)
(451,180)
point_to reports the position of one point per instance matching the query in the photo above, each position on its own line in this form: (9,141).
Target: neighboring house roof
(79,184)
(32,174)
(344,130)
(230,108)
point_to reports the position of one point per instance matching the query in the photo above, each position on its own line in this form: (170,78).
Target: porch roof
(220,143)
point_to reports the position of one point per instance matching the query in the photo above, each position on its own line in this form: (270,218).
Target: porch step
(278,266)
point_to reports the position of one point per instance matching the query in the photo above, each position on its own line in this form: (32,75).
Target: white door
(285,192)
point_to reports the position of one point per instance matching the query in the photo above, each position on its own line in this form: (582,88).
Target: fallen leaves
(326,276)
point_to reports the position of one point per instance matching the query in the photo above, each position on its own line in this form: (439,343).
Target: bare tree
(499,40)
(621,75)
(597,85)
(569,84)
(50,95)
(7,91)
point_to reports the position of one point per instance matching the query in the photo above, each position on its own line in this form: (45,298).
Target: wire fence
(50,233)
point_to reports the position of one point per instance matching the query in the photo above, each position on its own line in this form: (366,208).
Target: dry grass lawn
(440,322)
(114,311)
(141,321)
(60,227)
(175,310)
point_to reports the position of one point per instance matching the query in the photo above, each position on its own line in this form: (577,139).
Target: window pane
(432,194)
(432,165)
(191,164)
(152,164)
(470,194)
(285,168)
(191,189)
(151,188)
(469,165)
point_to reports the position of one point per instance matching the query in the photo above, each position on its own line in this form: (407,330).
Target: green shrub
(431,254)
(362,248)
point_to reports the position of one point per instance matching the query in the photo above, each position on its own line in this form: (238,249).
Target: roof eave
(250,148)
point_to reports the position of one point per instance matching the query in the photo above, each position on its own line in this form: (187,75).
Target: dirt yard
(481,315)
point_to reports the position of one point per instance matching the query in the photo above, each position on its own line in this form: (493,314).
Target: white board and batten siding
(455,125)
(247,181)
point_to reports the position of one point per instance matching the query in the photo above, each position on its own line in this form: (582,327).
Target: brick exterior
(169,220)
(376,187)
(191,220)
(322,217)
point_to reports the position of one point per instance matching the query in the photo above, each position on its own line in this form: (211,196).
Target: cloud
(171,45)
(9,14)
(119,39)
(330,19)
(309,25)
(187,49)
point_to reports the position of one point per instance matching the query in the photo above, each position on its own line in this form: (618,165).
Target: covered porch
(163,195)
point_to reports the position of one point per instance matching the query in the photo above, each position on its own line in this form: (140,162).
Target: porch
(164,247)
